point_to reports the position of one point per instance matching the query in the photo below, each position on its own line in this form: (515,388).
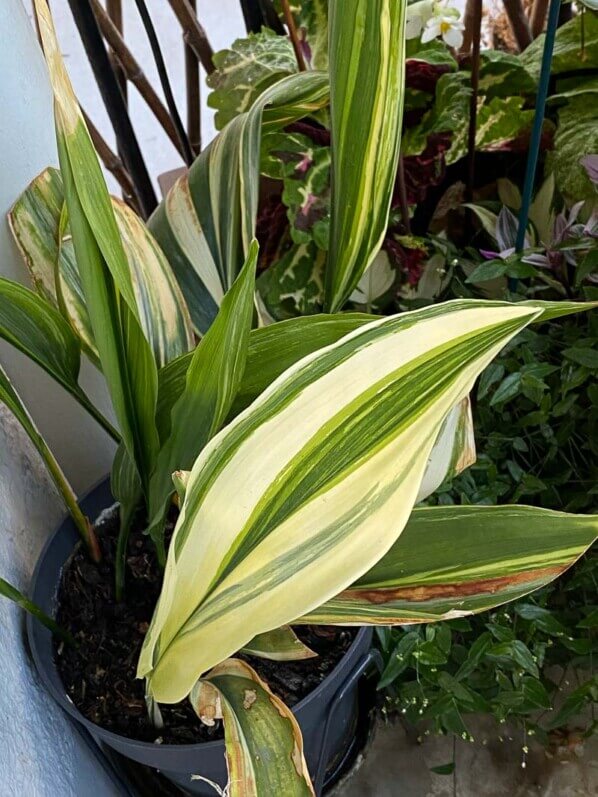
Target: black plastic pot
(328,716)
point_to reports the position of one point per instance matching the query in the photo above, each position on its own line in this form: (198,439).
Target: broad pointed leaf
(309,487)
(282,644)
(453,561)
(264,748)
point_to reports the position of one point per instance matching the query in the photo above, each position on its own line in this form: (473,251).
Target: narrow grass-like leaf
(10,397)
(126,489)
(367,73)
(311,485)
(212,380)
(264,747)
(456,560)
(12,593)
(282,644)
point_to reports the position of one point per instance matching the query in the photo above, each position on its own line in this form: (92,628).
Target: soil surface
(99,675)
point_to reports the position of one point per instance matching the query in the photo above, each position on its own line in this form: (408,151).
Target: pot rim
(35,632)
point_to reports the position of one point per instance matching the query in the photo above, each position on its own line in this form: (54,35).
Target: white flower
(445,22)
(417,15)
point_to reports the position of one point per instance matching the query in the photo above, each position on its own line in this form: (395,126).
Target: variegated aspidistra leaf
(207,222)
(47,247)
(451,561)
(264,747)
(367,75)
(310,486)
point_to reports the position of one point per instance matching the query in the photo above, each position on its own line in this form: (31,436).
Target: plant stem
(473,106)
(518,22)
(404,204)
(538,17)
(132,71)
(115,104)
(193,33)
(184,147)
(193,95)
(288,16)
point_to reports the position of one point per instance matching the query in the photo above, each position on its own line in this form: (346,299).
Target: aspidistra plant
(299,449)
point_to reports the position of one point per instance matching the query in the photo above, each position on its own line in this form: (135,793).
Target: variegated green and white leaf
(264,747)
(126,357)
(211,383)
(453,561)
(47,247)
(280,515)
(207,222)
(282,644)
(246,70)
(367,75)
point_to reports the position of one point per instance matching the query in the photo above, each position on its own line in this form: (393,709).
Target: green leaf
(207,221)
(490,270)
(294,285)
(517,651)
(508,388)
(126,489)
(33,326)
(583,355)
(127,360)
(282,644)
(434,52)
(246,70)
(505,552)
(12,593)
(367,73)
(10,397)
(264,748)
(212,379)
(504,75)
(573,50)
(444,769)
(576,136)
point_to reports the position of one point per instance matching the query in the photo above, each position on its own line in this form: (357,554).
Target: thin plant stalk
(403,203)
(537,17)
(132,70)
(128,145)
(193,33)
(84,527)
(473,107)
(184,146)
(290,22)
(114,12)
(518,22)
(193,95)
(468,20)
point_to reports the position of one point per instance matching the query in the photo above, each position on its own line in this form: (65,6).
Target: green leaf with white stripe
(125,354)
(452,561)
(310,486)
(48,251)
(282,644)
(367,74)
(264,748)
(212,380)
(34,327)
(207,222)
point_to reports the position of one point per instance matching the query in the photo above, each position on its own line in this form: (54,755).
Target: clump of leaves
(530,662)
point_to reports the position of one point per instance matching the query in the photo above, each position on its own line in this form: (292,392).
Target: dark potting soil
(99,675)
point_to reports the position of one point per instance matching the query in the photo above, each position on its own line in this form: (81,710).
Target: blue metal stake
(534,145)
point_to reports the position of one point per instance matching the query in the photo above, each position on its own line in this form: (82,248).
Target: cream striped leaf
(264,747)
(367,73)
(282,644)
(207,222)
(126,357)
(310,486)
(35,220)
(452,561)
